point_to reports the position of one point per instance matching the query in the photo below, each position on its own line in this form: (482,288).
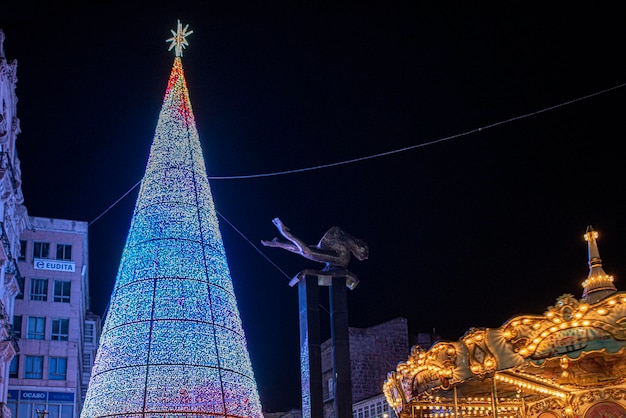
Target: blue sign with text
(60,396)
(31,395)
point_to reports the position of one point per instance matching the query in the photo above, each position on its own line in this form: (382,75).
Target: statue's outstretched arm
(295,245)
(281,244)
(297,242)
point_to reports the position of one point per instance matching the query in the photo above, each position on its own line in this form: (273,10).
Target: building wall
(42,310)
(91,337)
(373,351)
(13,217)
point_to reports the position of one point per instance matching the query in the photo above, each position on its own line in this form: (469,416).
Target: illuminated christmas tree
(173,343)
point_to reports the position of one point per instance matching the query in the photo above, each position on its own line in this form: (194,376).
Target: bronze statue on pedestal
(335,249)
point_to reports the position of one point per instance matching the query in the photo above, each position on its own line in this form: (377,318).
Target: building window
(39,289)
(17,326)
(64,252)
(12,404)
(60,329)
(59,411)
(28,410)
(36,328)
(86,363)
(62,291)
(41,249)
(22,256)
(89,327)
(330,394)
(83,392)
(33,367)
(20,283)
(57,368)
(14,367)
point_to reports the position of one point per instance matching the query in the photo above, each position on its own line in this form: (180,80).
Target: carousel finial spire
(179,39)
(598,284)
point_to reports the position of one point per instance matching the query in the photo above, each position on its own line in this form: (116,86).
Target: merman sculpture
(335,249)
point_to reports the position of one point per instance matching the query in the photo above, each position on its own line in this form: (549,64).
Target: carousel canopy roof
(574,346)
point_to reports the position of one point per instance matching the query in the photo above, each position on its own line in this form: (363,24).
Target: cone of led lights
(173,343)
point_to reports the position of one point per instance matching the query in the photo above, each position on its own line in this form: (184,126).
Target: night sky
(464,232)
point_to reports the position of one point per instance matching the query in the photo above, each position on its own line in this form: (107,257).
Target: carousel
(569,362)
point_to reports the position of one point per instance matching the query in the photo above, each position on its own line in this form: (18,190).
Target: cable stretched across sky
(386,153)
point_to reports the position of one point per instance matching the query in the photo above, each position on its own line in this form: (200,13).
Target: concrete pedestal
(310,344)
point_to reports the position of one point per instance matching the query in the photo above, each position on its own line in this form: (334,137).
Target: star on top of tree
(179,41)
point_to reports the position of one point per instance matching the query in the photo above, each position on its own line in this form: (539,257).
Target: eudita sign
(54,265)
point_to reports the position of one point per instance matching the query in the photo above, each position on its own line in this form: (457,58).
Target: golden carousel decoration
(569,362)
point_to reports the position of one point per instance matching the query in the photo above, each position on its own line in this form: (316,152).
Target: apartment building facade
(57,335)
(13,217)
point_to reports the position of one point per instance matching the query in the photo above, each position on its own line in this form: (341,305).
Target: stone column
(310,347)
(340,347)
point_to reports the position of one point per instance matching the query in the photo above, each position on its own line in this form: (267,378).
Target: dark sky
(462,233)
